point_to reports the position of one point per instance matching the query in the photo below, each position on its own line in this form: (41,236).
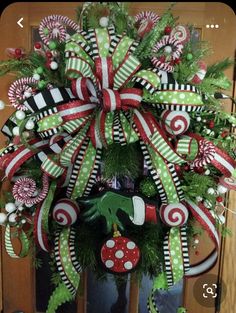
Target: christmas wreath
(117,146)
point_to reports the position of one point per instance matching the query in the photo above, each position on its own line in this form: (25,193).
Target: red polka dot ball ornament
(120,255)
(174,214)
(65,212)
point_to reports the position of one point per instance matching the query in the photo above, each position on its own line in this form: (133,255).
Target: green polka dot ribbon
(66,269)
(176,97)
(176,254)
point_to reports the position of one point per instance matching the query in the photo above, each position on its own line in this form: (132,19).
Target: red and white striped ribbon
(204,217)
(104,72)
(40,235)
(75,109)
(144,124)
(22,154)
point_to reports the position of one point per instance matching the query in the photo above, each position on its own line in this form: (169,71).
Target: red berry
(186,167)
(219,199)
(49,54)
(37,45)
(177,168)
(47,64)
(18,52)
(162,59)
(177,61)
(224,134)
(167,30)
(211,124)
(199,170)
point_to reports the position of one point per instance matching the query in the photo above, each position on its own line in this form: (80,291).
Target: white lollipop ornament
(3,218)
(65,212)
(175,122)
(174,214)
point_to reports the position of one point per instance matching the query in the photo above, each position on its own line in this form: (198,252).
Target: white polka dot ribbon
(176,254)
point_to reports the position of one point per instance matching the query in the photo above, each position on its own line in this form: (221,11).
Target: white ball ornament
(207,172)
(3,218)
(53,65)
(104,21)
(12,218)
(168,49)
(10,207)
(198,118)
(36,76)
(2,105)
(27,94)
(29,125)
(210,191)
(198,198)
(20,115)
(16,131)
(222,189)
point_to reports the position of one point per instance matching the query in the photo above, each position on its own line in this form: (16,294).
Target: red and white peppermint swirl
(175,122)
(54,24)
(181,33)
(17,90)
(25,188)
(65,212)
(176,51)
(228,182)
(174,214)
(147,20)
(206,153)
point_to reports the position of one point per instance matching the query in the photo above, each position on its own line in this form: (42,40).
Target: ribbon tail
(59,296)
(9,246)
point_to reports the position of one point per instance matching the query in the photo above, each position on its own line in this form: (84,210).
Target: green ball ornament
(39,70)
(148,187)
(46,31)
(52,45)
(189,56)
(41,84)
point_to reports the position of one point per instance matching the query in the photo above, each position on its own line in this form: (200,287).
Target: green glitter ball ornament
(52,45)
(189,56)
(41,84)
(46,31)
(148,187)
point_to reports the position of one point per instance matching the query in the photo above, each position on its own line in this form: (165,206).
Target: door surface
(18,276)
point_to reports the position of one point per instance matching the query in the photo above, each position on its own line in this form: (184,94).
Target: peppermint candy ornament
(174,214)
(181,33)
(167,52)
(65,212)
(120,254)
(199,76)
(24,190)
(146,21)
(175,122)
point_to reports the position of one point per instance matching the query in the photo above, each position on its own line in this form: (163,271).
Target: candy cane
(24,189)
(176,48)
(52,27)
(17,90)
(206,154)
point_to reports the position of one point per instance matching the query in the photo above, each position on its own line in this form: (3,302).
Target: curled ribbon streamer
(9,246)
(41,219)
(22,154)
(206,220)
(65,264)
